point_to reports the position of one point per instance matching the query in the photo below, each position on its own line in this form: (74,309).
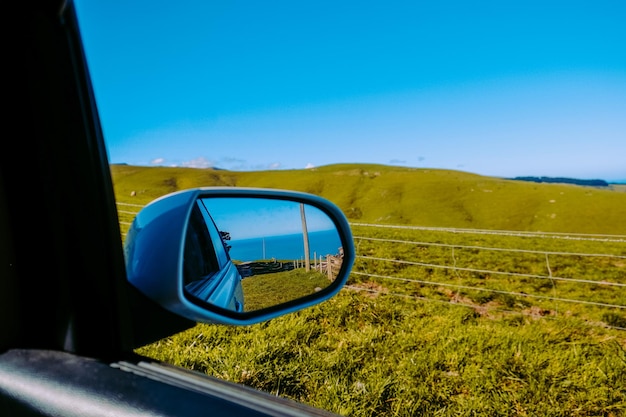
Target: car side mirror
(238,255)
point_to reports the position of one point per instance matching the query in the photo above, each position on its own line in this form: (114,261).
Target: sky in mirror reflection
(247,218)
(272,229)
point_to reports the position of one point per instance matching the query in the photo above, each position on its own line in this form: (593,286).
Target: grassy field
(397,347)
(358,355)
(537,275)
(268,290)
(396,195)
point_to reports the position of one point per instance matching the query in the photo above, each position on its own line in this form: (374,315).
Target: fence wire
(616,301)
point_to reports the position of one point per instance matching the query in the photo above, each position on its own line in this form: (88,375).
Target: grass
(405,349)
(370,356)
(268,290)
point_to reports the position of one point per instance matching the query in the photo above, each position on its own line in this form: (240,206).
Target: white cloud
(397,162)
(157,161)
(232,163)
(309,166)
(274,165)
(232,160)
(199,162)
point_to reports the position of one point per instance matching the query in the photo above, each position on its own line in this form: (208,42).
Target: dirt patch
(371,289)
(538,312)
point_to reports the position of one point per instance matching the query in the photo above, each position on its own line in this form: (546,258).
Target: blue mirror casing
(155,250)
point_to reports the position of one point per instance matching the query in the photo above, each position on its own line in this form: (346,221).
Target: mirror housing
(159,247)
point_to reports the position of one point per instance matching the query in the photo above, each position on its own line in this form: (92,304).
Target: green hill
(413,196)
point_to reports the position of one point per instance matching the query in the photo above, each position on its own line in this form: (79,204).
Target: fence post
(329,268)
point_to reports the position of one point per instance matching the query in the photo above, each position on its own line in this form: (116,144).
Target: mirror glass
(246,254)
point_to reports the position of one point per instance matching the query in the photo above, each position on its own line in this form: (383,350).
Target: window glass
(219,246)
(200,256)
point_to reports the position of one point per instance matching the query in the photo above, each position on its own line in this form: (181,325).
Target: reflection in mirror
(281,251)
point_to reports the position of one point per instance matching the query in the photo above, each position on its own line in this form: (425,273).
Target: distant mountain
(560,180)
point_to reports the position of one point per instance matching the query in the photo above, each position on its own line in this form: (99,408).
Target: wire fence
(126,216)
(495,276)
(543,235)
(496,269)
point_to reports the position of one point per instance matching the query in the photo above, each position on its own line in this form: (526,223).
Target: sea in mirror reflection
(285,247)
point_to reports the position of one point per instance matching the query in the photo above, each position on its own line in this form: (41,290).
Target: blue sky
(494,88)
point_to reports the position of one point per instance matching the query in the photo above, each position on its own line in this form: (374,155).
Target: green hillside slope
(412,196)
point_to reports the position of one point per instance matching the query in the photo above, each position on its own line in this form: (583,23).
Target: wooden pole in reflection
(305,234)
(329,267)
